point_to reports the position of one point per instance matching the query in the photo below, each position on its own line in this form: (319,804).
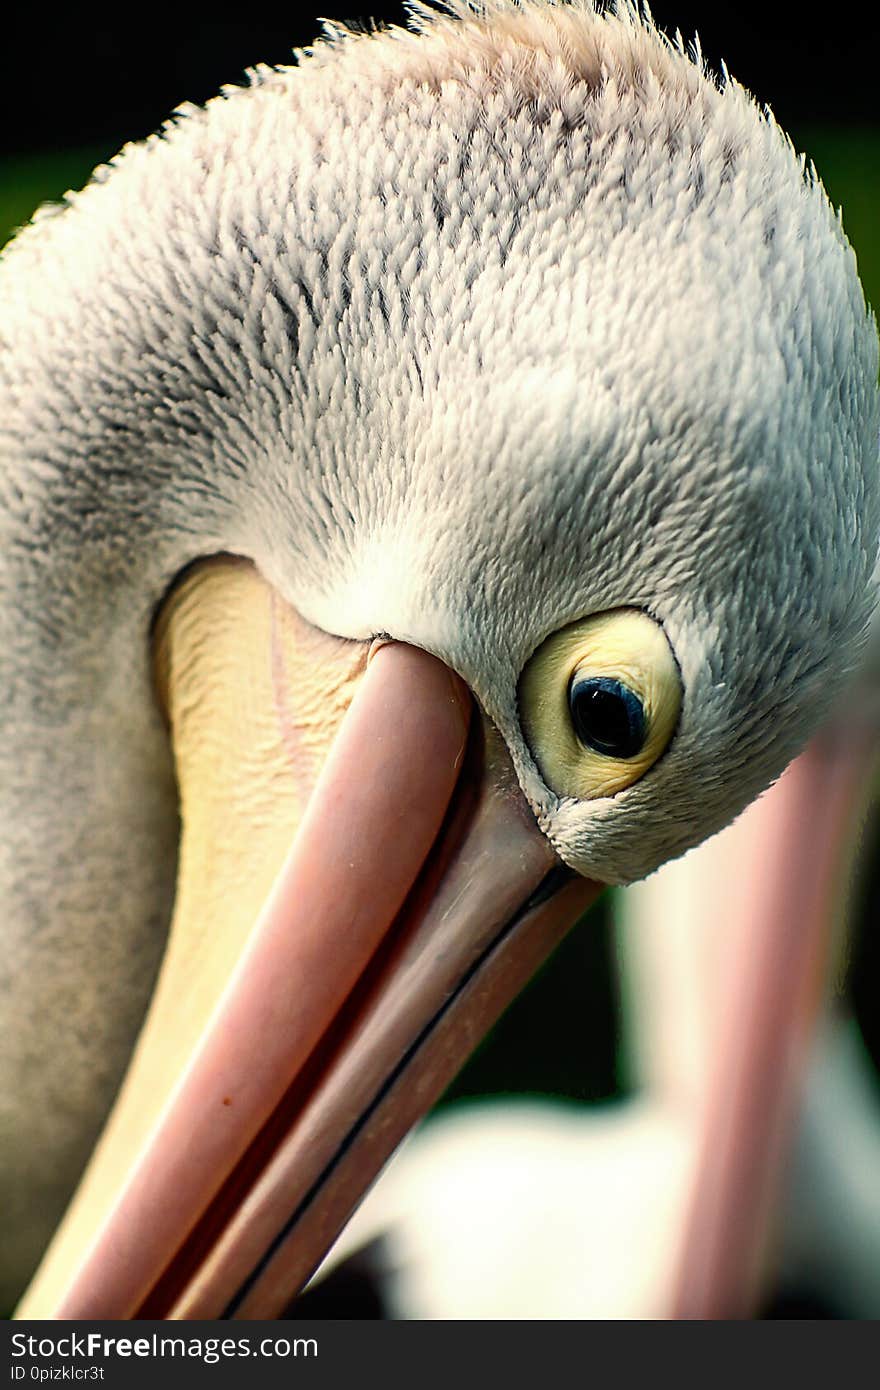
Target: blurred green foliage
(848,162)
(27,182)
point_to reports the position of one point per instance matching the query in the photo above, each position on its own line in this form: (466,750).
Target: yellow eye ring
(599,702)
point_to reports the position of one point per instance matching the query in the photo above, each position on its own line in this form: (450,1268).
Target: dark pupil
(607,716)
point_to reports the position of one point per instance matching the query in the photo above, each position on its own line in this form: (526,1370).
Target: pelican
(440,479)
(668,1202)
(547,1209)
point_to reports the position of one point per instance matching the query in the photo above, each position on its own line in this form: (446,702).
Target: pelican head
(520,372)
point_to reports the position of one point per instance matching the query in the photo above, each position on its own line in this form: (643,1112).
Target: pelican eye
(599,701)
(607,716)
